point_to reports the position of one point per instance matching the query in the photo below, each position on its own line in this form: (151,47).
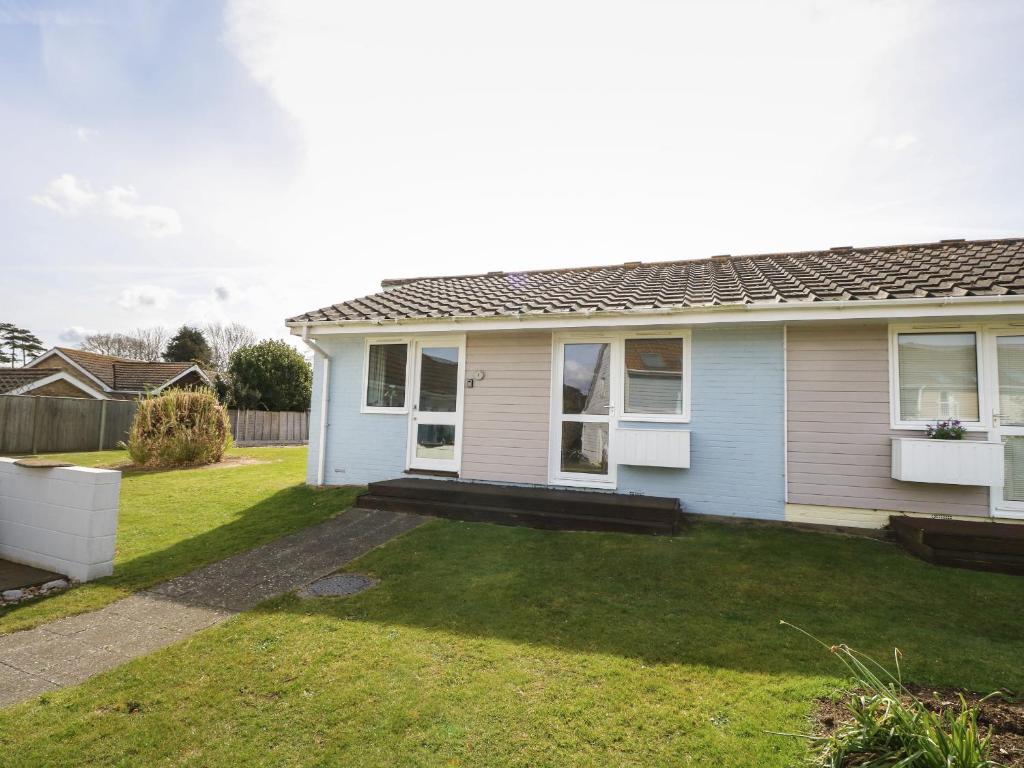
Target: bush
(179,428)
(891,728)
(270,376)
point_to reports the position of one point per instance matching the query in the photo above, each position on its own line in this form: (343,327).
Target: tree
(18,340)
(225,339)
(188,345)
(145,344)
(271,376)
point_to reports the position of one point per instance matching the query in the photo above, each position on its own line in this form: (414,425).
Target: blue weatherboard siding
(361,447)
(737,453)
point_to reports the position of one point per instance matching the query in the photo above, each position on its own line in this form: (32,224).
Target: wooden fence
(269,427)
(30,424)
(62,424)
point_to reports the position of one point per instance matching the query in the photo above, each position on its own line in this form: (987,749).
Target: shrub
(892,728)
(180,428)
(946,430)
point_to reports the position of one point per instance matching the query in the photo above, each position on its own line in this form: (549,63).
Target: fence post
(35,424)
(103,422)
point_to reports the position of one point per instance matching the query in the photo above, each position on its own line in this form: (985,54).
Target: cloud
(66,195)
(84,134)
(894,143)
(159,220)
(75,334)
(69,196)
(145,297)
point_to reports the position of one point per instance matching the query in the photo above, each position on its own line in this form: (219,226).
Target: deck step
(533,507)
(980,546)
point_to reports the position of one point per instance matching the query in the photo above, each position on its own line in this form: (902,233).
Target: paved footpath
(68,651)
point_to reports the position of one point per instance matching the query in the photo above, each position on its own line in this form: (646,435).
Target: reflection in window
(439,379)
(586,374)
(385,378)
(654,376)
(435,441)
(585,447)
(938,376)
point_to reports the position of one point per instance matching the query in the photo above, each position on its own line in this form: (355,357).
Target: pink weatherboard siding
(505,428)
(839,450)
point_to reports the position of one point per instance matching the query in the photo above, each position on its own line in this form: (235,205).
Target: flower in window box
(946,430)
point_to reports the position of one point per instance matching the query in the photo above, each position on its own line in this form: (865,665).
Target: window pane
(385,379)
(1010,351)
(439,379)
(938,376)
(435,441)
(654,376)
(585,447)
(586,375)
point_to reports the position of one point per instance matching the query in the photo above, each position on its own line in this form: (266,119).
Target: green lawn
(492,646)
(173,522)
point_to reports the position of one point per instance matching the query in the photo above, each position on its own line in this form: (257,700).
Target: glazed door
(435,418)
(583,410)
(1008,422)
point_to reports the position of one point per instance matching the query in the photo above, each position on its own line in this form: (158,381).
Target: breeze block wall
(63,519)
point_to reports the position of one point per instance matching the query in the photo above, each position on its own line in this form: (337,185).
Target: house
(788,386)
(66,372)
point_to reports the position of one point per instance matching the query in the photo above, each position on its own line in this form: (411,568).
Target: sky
(188,161)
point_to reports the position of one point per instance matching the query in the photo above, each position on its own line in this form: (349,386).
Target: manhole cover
(338,585)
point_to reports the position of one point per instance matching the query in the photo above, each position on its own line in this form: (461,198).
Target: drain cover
(338,585)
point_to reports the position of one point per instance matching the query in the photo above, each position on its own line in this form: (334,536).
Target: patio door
(435,418)
(583,408)
(1008,421)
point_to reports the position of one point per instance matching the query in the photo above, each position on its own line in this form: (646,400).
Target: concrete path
(68,651)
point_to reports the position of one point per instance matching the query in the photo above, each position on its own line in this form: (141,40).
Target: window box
(949,462)
(653,447)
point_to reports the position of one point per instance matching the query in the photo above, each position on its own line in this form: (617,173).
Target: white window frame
(670,418)
(370,341)
(984,422)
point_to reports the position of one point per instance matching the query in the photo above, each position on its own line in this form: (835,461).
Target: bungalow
(789,386)
(66,372)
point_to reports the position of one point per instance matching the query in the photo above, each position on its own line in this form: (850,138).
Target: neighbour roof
(949,268)
(15,378)
(120,373)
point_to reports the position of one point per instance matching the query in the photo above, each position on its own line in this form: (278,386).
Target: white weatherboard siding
(736,429)
(505,430)
(361,447)
(839,431)
(63,519)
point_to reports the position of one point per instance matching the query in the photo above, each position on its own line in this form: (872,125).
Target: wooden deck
(534,507)
(979,546)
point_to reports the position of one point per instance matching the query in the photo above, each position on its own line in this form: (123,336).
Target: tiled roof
(122,374)
(15,378)
(950,268)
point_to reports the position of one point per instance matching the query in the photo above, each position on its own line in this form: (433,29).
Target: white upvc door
(1006,374)
(435,416)
(583,407)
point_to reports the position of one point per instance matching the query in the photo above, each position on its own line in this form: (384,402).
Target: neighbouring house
(66,372)
(789,386)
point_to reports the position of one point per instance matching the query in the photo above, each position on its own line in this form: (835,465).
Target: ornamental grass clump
(890,727)
(180,428)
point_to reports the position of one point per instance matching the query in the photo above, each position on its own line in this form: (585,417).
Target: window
(655,377)
(938,376)
(386,366)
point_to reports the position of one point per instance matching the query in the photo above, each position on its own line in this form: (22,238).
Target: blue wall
(361,447)
(737,452)
(736,441)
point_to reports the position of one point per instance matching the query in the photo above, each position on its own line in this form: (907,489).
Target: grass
(172,522)
(486,646)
